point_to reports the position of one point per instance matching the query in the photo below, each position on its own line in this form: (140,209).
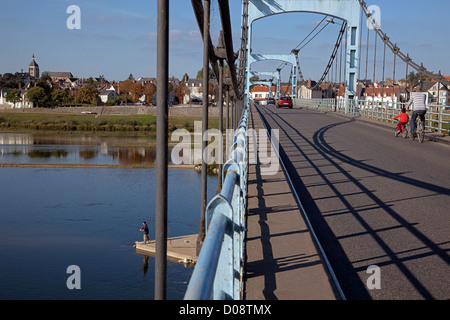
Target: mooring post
(162,149)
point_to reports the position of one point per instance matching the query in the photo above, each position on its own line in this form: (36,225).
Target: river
(52,218)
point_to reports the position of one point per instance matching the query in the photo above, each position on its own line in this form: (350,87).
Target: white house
(310,91)
(379,94)
(261,93)
(193,90)
(443,91)
(23,103)
(108,94)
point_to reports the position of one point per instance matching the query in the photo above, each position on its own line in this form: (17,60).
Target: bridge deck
(282,261)
(372,198)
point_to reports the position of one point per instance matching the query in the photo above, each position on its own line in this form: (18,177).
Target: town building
(23,103)
(439,94)
(56,76)
(33,69)
(108,94)
(146,80)
(309,90)
(193,91)
(261,93)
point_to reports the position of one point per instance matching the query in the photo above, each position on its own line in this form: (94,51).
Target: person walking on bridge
(418,100)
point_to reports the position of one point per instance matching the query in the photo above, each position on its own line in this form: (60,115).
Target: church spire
(33,69)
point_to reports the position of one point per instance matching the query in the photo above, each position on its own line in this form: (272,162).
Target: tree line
(42,93)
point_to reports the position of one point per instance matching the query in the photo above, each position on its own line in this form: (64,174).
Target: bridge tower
(346,10)
(272,74)
(288,58)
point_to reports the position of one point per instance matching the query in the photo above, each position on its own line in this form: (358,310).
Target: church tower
(33,69)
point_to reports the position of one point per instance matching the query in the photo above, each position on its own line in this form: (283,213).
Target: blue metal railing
(437,117)
(219,269)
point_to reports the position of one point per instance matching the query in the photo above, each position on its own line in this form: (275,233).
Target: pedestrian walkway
(282,260)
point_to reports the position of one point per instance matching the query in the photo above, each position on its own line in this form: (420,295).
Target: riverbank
(90,166)
(106,119)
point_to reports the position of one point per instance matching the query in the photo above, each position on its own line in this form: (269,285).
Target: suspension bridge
(351,212)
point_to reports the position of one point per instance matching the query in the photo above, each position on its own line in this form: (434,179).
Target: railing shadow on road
(269,266)
(336,158)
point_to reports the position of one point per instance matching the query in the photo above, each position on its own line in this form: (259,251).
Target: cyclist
(418,100)
(404,118)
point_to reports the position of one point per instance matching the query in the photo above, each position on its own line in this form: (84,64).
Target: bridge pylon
(346,10)
(272,74)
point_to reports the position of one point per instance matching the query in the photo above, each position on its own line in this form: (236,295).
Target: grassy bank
(88,122)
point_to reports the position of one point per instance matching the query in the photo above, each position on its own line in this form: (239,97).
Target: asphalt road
(373,199)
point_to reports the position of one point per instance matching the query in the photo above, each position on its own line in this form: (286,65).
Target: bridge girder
(273,74)
(288,58)
(346,10)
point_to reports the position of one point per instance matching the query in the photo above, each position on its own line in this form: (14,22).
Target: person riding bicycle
(418,100)
(404,118)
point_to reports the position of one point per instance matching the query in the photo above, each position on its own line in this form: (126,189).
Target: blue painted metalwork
(219,269)
(270,74)
(347,10)
(289,58)
(379,110)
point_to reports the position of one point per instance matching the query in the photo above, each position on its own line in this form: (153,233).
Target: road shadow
(347,274)
(264,264)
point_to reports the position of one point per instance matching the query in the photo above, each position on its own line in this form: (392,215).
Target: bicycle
(420,130)
(403,130)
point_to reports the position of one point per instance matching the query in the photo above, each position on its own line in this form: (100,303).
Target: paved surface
(372,199)
(180,249)
(282,261)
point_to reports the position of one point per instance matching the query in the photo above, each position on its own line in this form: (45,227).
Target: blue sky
(119,37)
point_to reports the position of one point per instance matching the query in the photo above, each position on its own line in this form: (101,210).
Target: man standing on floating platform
(145,230)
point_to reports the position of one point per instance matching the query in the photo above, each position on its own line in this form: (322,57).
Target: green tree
(11,81)
(102,80)
(413,79)
(88,94)
(37,96)
(13,96)
(253,79)
(92,81)
(60,96)
(114,102)
(200,74)
(45,78)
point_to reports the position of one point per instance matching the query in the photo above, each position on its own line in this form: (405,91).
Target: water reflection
(80,149)
(145,266)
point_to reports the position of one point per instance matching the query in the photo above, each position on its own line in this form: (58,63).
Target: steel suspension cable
(367,55)
(332,62)
(311,32)
(420,68)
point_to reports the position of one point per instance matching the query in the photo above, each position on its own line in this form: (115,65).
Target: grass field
(89,122)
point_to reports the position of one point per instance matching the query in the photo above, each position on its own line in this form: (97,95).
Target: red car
(284,101)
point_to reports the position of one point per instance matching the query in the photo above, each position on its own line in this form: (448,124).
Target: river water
(52,218)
